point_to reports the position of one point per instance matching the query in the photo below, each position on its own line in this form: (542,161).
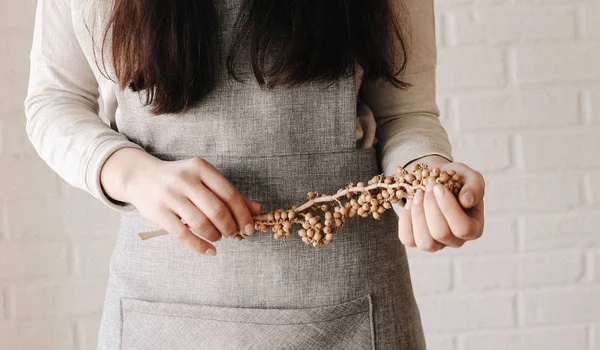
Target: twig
(323,215)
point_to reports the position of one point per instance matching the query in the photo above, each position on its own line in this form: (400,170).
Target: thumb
(473,189)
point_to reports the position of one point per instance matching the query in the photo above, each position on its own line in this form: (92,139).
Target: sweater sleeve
(408,125)
(61,106)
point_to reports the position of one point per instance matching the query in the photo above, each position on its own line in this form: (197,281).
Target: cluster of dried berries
(323,214)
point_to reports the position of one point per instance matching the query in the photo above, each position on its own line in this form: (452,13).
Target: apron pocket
(158,325)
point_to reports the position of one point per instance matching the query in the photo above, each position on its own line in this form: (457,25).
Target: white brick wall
(519,82)
(519,87)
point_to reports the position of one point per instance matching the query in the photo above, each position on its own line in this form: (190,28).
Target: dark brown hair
(170,49)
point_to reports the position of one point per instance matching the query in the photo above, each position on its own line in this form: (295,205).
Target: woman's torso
(260,293)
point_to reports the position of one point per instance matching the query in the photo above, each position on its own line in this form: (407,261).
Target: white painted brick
(591,11)
(555,63)
(483,151)
(2,142)
(484,3)
(540,150)
(431,275)
(558,307)
(65,298)
(484,68)
(593,106)
(29,179)
(440,342)
(466,312)
(485,273)
(17,13)
(551,269)
(440,34)
(595,337)
(13,138)
(33,260)
(571,338)
(569,231)
(592,187)
(34,219)
(3,303)
(517,110)
(92,258)
(596,266)
(85,216)
(445,3)
(87,331)
(516,24)
(37,335)
(499,236)
(14,65)
(530,192)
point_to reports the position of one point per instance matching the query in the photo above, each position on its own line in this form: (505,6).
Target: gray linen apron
(261,293)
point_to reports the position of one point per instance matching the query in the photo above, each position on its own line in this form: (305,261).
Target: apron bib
(261,293)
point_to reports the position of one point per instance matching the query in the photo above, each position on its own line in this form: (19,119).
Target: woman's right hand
(165,192)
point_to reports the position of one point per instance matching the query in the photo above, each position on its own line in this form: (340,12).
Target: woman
(219,110)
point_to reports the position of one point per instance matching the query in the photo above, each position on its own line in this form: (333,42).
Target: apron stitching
(242,322)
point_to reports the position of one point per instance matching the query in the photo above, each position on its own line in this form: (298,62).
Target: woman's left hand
(432,220)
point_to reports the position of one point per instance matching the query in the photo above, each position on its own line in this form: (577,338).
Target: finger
(196,220)
(438,227)
(405,232)
(216,211)
(473,190)
(255,207)
(172,223)
(421,233)
(220,186)
(461,224)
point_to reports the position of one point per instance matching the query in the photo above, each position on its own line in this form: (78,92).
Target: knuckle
(212,235)
(199,162)
(465,233)
(231,231)
(428,246)
(459,244)
(170,190)
(219,211)
(407,240)
(479,175)
(441,235)
(179,233)
(198,222)
(478,234)
(230,194)
(178,174)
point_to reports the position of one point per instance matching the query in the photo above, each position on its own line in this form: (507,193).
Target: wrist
(433,160)
(120,170)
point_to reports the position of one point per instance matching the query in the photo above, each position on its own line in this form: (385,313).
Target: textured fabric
(62,110)
(184,326)
(365,259)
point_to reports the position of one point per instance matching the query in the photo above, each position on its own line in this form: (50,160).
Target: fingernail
(210,252)
(249,229)
(430,185)
(418,197)
(468,199)
(438,191)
